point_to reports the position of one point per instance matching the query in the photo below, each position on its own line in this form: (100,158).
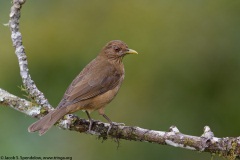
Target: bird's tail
(45,123)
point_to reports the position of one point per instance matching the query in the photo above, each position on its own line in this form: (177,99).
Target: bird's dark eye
(116,48)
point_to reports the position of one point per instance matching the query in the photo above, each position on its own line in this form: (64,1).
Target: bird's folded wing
(96,81)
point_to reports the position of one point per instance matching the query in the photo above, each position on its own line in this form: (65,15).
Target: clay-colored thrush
(96,86)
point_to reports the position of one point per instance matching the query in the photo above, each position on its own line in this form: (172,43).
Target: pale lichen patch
(33,111)
(171,143)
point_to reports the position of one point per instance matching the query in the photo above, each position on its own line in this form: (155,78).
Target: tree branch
(16,36)
(228,147)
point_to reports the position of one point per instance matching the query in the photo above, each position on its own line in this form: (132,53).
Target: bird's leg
(109,121)
(101,112)
(90,121)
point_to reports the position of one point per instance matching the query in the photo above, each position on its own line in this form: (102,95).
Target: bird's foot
(90,125)
(114,124)
(90,131)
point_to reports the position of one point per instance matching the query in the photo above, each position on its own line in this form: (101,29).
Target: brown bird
(95,86)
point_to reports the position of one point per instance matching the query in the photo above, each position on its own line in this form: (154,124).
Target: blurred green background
(186,73)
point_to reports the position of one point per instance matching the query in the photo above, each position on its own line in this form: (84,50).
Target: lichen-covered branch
(228,147)
(16,36)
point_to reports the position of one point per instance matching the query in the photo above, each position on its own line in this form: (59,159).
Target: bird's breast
(107,97)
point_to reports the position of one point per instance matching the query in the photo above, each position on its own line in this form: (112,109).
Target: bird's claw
(90,131)
(114,124)
(90,126)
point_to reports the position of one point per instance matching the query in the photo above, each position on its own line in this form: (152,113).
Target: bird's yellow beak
(131,51)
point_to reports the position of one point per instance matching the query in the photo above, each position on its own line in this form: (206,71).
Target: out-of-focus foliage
(187,72)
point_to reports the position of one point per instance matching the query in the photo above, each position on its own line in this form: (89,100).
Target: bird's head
(116,50)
